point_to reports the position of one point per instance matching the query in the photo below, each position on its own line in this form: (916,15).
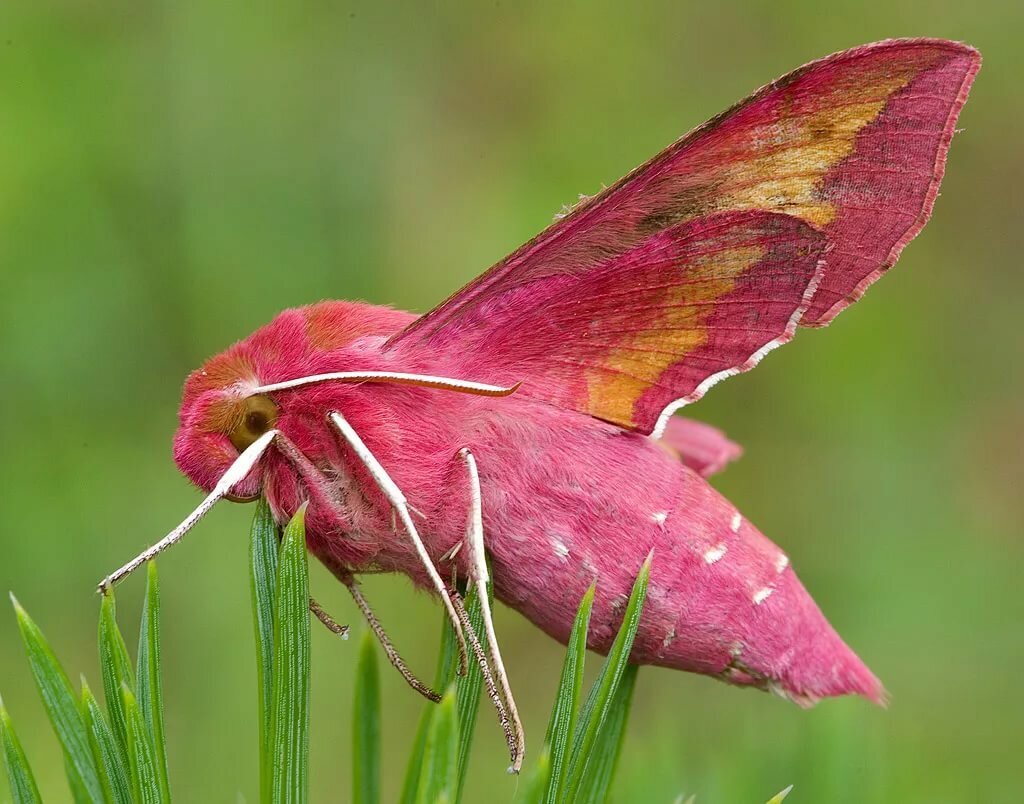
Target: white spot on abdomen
(737,520)
(762,595)
(560,548)
(715,553)
(660,517)
(781,562)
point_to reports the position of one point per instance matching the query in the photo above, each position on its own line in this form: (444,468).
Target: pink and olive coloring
(775,215)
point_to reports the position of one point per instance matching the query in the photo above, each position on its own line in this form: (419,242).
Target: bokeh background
(172,174)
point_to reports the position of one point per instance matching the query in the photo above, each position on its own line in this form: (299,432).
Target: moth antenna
(398,502)
(479,576)
(392,378)
(235,473)
(329,622)
(385,642)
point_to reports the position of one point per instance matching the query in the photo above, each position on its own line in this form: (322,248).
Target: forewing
(662,322)
(853,145)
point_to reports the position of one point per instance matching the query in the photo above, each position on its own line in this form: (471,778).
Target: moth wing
(853,145)
(705,449)
(628,338)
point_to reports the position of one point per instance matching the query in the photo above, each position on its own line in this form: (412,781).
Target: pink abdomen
(580,504)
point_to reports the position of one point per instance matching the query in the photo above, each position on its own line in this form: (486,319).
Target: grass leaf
(78,792)
(599,702)
(148,675)
(366,726)
(19,772)
(110,762)
(608,747)
(535,788)
(289,726)
(467,695)
(780,796)
(564,712)
(263,548)
(440,758)
(443,676)
(141,754)
(61,705)
(115,668)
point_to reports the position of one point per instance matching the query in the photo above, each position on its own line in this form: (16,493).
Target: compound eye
(260,415)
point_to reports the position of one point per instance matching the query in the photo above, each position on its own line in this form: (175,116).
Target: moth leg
(328,621)
(479,577)
(485,670)
(234,474)
(385,642)
(318,486)
(401,507)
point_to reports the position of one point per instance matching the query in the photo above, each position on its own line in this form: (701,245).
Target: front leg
(477,567)
(401,507)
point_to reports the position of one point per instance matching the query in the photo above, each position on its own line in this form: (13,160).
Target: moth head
(219,418)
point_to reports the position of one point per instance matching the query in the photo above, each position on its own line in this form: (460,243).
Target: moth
(528,419)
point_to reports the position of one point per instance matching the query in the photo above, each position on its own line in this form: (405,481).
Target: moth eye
(260,415)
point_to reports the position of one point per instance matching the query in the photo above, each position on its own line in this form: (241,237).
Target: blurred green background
(172,174)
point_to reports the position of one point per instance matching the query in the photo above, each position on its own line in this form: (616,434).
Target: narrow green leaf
(106,752)
(601,770)
(78,792)
(263,547)
(115,667)
(443,676)
(148,675)
(366,726)
(467,693)
(599,702)
(440,758)
(141,755)
(535,788)
(61,705)
(567,700)
(19,772)
(289,727)
(780,796)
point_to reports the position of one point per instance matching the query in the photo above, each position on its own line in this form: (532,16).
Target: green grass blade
(440,758)
(148,674)
(141,754)
(467,695)
(107,753)
(601,770)
(78,792)
(115,668)
(567,700)
(535,788)
(289,727)
(19,772)
(61,705)
(779,797)
(442,678)
(599,702)
(366,726)
(263,549)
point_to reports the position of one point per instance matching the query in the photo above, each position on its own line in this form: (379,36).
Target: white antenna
(394,378)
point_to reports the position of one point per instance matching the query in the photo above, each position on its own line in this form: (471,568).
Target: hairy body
(562,505)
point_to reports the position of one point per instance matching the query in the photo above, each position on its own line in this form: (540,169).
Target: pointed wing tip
(820,314)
